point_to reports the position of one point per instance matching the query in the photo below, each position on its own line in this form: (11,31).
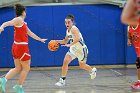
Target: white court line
(116,72)
(128,80)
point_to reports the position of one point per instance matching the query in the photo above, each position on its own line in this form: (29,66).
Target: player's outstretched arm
(9,23)
(34,36)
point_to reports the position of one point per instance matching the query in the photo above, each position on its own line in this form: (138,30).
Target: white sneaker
(60,83)
(93,73)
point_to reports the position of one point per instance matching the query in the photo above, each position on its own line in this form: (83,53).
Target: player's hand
(43,40)
(66,45)
(129,42)
(1,29)
(58,41)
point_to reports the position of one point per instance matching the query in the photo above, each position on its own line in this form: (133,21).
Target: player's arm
(129,13)
(12,22)
(128,34)
(76,35)
(34,36)
(64,41)
(129,38)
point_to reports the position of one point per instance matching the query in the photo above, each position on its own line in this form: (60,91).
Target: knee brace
(138,62)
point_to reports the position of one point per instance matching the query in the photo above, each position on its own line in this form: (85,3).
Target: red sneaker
(136,85)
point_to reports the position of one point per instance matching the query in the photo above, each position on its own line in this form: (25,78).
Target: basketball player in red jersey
(20,50)
(131,12)
(134,38)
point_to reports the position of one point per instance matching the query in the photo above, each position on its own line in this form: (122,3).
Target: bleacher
(7,3)
(4,3)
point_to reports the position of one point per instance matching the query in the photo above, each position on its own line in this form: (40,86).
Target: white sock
(139,80)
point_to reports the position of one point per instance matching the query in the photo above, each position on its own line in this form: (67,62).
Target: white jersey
(78,50)
(71,38)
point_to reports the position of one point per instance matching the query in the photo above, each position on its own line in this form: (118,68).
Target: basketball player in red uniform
(131,12)
(134,38)
(20,50)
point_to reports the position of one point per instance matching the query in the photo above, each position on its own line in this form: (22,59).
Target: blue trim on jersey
(81,43)
(84,54)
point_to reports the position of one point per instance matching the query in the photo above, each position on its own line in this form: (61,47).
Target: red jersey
(20,48)
(135,35)
(20,34)
(135,38)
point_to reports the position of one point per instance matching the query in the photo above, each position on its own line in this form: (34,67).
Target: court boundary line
(75,67)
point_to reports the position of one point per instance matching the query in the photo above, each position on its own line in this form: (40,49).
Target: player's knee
(18,69)
(138,63)
(27,69)
(66,62)
(64,67)
(82,65)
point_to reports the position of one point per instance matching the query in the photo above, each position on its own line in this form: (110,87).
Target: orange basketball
(53,45)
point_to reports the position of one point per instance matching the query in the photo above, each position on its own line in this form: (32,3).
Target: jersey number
(135,37)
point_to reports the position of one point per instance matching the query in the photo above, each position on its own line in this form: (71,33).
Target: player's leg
(25,70)
(10,74)
(68,58)
(82,63)
(136,85)
(15,70)
(138,68)
(23,74)
(25,59)
(92,71)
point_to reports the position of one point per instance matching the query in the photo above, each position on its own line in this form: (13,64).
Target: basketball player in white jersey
(77,49)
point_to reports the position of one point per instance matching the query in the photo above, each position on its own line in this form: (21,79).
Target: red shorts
(21,51)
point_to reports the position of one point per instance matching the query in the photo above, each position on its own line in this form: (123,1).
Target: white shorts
(80,53)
